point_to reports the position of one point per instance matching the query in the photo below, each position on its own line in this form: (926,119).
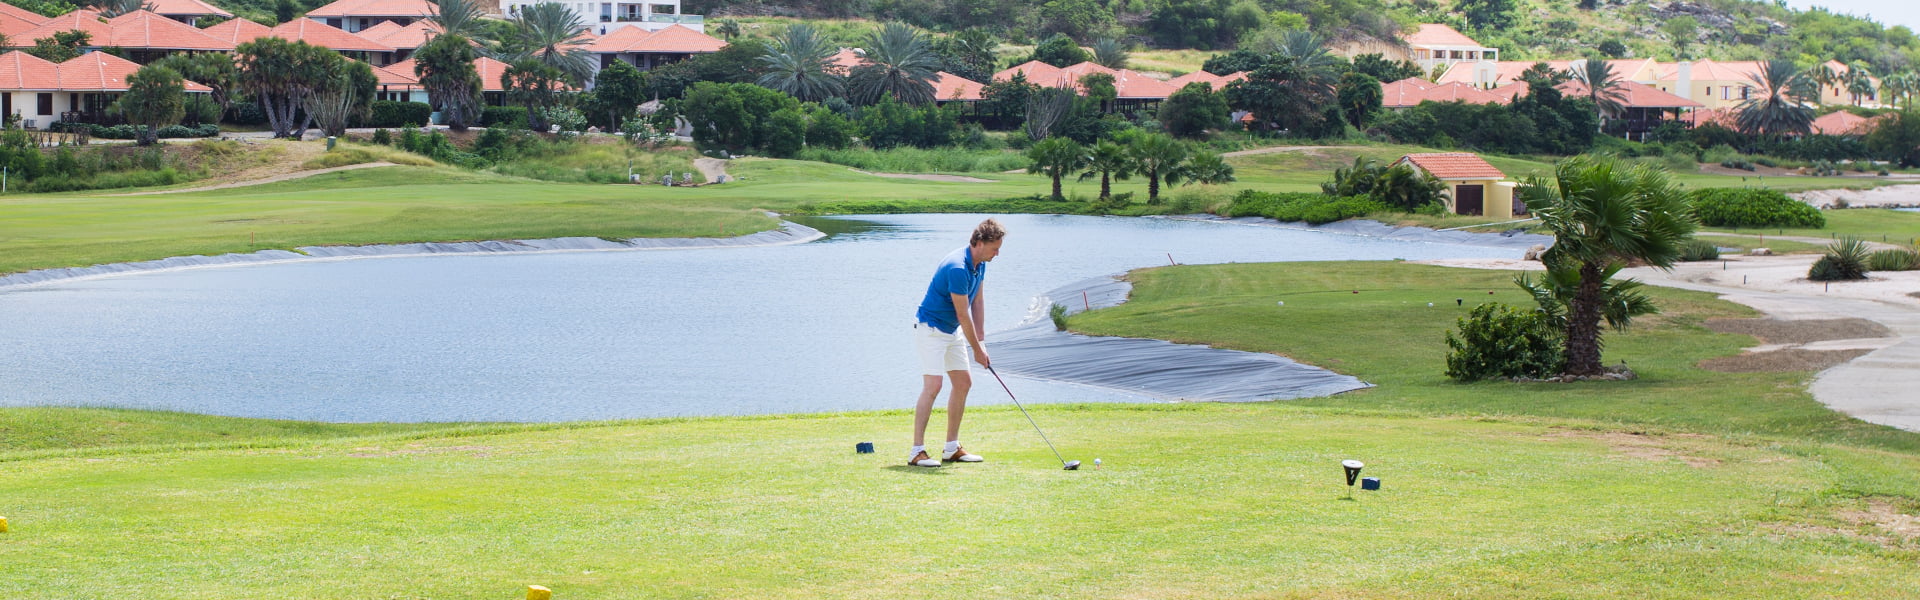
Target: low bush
(1696,250)
(1497,341)
(1311,208)
(383,137)
(128,132)
(918,160)
(1894,259)
(1737,163)
(502,116)
(387,113)
(1747,207)
(1845,260)
(69,183)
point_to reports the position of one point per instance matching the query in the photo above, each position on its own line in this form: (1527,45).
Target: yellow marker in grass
(3,524)
(539,592)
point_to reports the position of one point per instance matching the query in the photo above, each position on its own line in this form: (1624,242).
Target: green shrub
(1894,259)
(1312,208)
(1058,312)
(1497,341)
(918,160)
(1694,250)
(383,137)
(1737,163)
(500,116)
(1747,207)
(387,113)
(1845,260)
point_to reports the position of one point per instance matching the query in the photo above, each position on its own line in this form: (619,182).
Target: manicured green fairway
(1872,224)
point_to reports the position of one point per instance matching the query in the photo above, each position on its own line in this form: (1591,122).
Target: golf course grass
(1684,483)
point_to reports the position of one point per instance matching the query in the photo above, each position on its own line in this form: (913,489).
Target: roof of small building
(391,78)
(1413,90)
(1846,123)
(401,38)
(1714,70)
(143,29)
(1434,34)
(1127,84)
(186,8)
(238,31)
(22,71)
(950,87)
(376,8)
(102,72)
(1453,165)
(1217,82)
(1636,95)
(327,36)
(21,13)
(78,20)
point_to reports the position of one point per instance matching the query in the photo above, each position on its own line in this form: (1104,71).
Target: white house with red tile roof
(187,11)
(39,92)
(144,35)
(398,85)
(605,18)
(1473,186)
(647,49)
(355,15)
(1433,45)
(1848,124)
(404,40)
(240,31)
(490,70)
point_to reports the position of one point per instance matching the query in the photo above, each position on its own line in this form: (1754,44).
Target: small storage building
(1473,186)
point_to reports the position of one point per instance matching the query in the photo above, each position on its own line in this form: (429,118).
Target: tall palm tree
(728,28)
(1109,53)
(1056,157)
(899,62)
(1778,108)
(1859,82)
(1155,156)
(459,17)
(1609,96)
(1604,212)
(1900,88)
(797,64)
(1823,77)
(1308,50)
(550,34)
(1109,161)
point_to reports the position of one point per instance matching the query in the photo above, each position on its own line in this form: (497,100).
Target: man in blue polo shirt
(948,325)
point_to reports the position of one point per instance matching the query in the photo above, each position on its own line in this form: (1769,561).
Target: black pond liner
(1161,369)
(788,233)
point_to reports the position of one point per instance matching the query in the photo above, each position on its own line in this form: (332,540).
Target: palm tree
(1859,82)
(797,64)
(899,62)
(1056,157)
(1204,168)
(459,17)
(1109,161)
(115,8)
(1900,88)
(728,28)
(1107,52)
(1603,87)
(1823,77)
(1602,213)
(1307,50)
(1778,108)
(1155,156)
(445,67)
(550,34)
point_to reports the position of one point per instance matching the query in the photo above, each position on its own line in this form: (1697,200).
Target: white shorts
(941,352)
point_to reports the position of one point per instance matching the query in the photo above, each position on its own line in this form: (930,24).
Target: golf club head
(1072,465)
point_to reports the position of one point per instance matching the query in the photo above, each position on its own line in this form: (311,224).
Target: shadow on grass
(917,470)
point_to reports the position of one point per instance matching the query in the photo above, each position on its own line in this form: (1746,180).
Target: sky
(1889,12)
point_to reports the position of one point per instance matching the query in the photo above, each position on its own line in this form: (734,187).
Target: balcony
(680,19)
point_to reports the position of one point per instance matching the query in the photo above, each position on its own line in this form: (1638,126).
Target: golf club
(1070,465)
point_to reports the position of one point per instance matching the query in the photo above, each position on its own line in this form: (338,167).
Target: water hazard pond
(822,326)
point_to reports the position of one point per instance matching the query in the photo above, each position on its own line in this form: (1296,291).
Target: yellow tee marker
(3,524)
(538,592)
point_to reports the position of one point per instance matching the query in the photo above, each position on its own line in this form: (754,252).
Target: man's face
(986,251)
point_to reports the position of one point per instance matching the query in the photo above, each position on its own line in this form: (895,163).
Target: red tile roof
(675,39)
(186,8)
(1637,95)
(21,13)
(324,35)
(1218,82)
(401,38)
(1712,70)
(142,29)
(376,8)
(1723,117)
(1509,71)
(1038,73)
(22,71)
(1127,84)
(1453,165)
(1431,34)
(1846,123)
(1412,91)
(238,31)
(79,20)
(949,87)
(102,72)
(489,69)
(13,26)
(391,79)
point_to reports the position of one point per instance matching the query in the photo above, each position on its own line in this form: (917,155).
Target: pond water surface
(822,326)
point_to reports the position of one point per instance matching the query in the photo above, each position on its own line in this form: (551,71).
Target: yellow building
(1473,186)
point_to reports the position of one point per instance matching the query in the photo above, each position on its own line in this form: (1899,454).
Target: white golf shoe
(961,455)
(922,460)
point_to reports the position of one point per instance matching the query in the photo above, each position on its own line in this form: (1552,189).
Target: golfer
(947,328)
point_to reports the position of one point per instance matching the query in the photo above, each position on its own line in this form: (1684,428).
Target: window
(46,104)
(1744,91)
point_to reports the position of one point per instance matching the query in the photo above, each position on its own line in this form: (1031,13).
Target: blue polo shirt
(955,275)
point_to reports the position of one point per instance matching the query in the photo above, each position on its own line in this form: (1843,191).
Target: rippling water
(596,335)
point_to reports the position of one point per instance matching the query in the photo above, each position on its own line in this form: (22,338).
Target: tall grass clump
(1696,250)
(524,154)
(1894,259)
(1314,209)
(1845,260)
(919,160)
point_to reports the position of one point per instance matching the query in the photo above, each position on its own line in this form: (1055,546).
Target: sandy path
(1891,196)
(926,177)
(1274,150)
(1876,387)
(711,168)
(273,179)
(1820,241)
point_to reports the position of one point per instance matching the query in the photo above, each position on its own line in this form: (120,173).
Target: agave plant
(899,62)
(1845,260)
(797,64)
(1778,108)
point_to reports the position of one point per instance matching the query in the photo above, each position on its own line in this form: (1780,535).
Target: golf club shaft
(1023,410)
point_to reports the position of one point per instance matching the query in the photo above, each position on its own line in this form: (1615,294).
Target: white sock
(952,446)
(916,451)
